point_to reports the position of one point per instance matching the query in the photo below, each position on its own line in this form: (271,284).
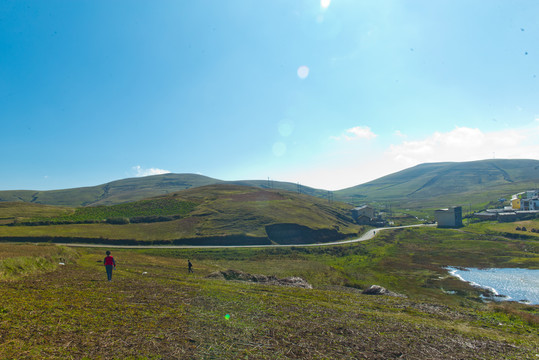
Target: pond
(510,284)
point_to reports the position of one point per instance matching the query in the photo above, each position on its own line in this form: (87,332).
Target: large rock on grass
(262,279)
(379,290)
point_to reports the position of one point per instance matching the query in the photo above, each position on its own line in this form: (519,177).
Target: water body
(513,284)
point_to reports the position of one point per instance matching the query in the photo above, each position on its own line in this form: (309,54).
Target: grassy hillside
(423,187)
(281,185)
(115,192)
(128,190)
(153,309)
(203,212)
(446,184)
(10,211)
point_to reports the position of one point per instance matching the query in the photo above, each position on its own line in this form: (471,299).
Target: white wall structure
(527,200)
(364,210)
(448,218)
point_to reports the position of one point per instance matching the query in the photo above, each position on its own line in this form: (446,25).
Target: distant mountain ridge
(424,185)
(139,188)
(449,183)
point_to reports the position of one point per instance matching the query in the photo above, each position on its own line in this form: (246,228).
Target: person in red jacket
(109,265)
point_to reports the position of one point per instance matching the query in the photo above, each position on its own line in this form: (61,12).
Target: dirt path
(367,236)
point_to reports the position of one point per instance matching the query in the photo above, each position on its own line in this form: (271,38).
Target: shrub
(152,219)
(118,221)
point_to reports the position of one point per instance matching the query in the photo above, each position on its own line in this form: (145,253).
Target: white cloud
(358,132)
(399,134)
(147,172)
(466,144)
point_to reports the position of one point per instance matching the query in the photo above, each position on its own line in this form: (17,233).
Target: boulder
(379,290)
(261,279)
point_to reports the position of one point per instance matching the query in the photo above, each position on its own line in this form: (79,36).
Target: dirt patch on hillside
(299,234)
(261,279)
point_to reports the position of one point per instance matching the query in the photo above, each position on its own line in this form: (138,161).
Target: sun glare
(325,3)
(279,149)
(285,128)
(303,72)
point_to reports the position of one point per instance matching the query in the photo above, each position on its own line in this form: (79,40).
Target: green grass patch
(138,211)
(154,309)
(19,260)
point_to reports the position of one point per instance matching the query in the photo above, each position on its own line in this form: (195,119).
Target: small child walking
(109,265)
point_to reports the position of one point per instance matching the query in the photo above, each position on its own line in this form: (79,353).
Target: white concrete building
(527,200)
(449,218)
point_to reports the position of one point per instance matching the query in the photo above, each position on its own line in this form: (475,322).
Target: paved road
(367,236)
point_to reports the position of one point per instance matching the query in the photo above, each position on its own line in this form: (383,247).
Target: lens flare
(279,149)
(325,3)
(303,72)
(285,128)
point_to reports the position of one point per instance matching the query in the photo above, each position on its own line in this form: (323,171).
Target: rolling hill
(132,189)
(114,192)
(445,184)
(420,187)
(223,214)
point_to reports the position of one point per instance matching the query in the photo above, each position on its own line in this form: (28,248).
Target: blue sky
(329,94)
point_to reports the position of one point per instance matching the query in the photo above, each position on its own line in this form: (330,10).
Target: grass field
(132,212)
(9,211)
(490,227)
(153,309)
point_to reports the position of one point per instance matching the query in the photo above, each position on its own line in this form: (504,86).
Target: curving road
(367,236)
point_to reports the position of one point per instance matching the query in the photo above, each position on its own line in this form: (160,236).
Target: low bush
(118,221)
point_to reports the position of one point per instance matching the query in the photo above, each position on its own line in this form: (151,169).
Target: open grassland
(478,198)
(154,309)
(10,211)
(507,229)
(21,260)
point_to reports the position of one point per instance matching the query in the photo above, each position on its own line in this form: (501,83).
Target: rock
(379,290)
(258,278)
(294,281)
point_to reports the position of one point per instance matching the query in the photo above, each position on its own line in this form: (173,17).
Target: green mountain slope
(115,192)
(443,184)
(214,214)
(422,186)
(132,189)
